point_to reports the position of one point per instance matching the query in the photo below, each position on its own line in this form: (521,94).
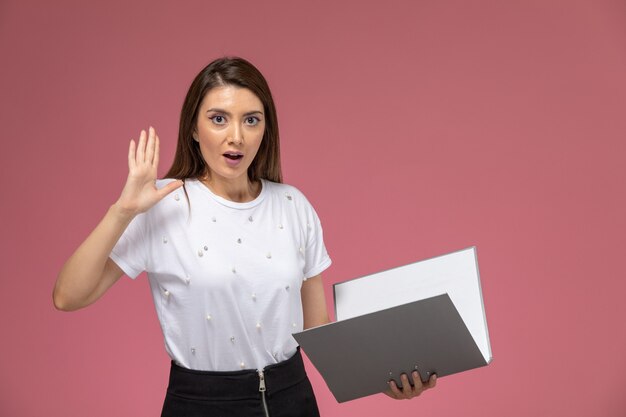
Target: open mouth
(233,156)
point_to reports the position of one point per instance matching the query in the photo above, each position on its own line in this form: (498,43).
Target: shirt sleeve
(130,252)
(316,256)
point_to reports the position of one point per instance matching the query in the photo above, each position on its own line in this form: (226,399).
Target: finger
(395,391)
(169,188)
(150,146)
(141,148)
(155,160)
(131,154)
(417,381)
(432,382)
(406,386)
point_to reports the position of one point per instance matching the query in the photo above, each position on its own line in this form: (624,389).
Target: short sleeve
(316,256)
(130,251)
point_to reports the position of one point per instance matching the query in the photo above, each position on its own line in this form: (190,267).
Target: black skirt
(281,390)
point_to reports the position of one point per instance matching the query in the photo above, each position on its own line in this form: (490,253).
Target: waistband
(235,385)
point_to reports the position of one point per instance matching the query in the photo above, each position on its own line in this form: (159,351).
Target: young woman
(233,256)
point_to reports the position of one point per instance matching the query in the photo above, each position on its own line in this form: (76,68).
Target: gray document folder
(374,341)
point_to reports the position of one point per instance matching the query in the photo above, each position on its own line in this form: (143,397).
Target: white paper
(455,274)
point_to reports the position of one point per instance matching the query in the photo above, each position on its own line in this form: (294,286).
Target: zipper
(262,390)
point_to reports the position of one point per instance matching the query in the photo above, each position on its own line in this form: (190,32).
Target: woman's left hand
(407,392)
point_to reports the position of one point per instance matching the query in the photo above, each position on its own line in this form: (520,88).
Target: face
(230,127)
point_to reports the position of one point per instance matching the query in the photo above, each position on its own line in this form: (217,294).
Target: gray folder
(357,356)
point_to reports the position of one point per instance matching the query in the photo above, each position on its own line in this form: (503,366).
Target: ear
(195,136)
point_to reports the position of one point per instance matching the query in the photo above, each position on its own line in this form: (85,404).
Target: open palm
(140,192)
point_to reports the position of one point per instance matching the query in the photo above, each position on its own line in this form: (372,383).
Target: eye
(218,119)
(252,121)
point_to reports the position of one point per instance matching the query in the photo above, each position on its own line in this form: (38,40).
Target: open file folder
(428,316)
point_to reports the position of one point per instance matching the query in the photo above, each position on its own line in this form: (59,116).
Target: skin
(89,272)
(232,119)
(229,118)
(408,390)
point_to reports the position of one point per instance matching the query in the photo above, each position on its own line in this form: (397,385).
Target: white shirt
(226,276)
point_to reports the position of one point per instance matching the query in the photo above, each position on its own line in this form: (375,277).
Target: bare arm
(314,302)
(89,272)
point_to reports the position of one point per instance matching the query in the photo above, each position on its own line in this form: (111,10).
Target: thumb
(174,185)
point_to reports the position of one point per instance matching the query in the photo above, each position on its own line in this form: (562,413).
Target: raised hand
(140,191)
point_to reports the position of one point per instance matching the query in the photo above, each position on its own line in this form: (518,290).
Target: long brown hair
(188,161)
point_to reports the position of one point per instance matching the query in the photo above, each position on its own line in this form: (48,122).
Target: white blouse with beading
(226,276)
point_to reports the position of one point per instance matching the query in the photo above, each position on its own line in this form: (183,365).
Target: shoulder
(289,195)
(286,191)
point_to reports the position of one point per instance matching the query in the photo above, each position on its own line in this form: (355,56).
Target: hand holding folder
(410,389)
(426,316)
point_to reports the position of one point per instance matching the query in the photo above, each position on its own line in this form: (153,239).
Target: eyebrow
(229,114)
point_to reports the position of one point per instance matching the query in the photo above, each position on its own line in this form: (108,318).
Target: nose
(236,135)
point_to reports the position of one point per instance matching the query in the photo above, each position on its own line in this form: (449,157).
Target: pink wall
(416,128)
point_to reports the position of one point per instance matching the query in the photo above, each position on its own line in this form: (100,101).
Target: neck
(237,190)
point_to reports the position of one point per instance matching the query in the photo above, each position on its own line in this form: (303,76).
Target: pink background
(415,128)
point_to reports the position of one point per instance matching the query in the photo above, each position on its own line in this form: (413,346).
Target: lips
(234,155)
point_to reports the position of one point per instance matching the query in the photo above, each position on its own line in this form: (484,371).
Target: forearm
(82,273)
(88,273)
